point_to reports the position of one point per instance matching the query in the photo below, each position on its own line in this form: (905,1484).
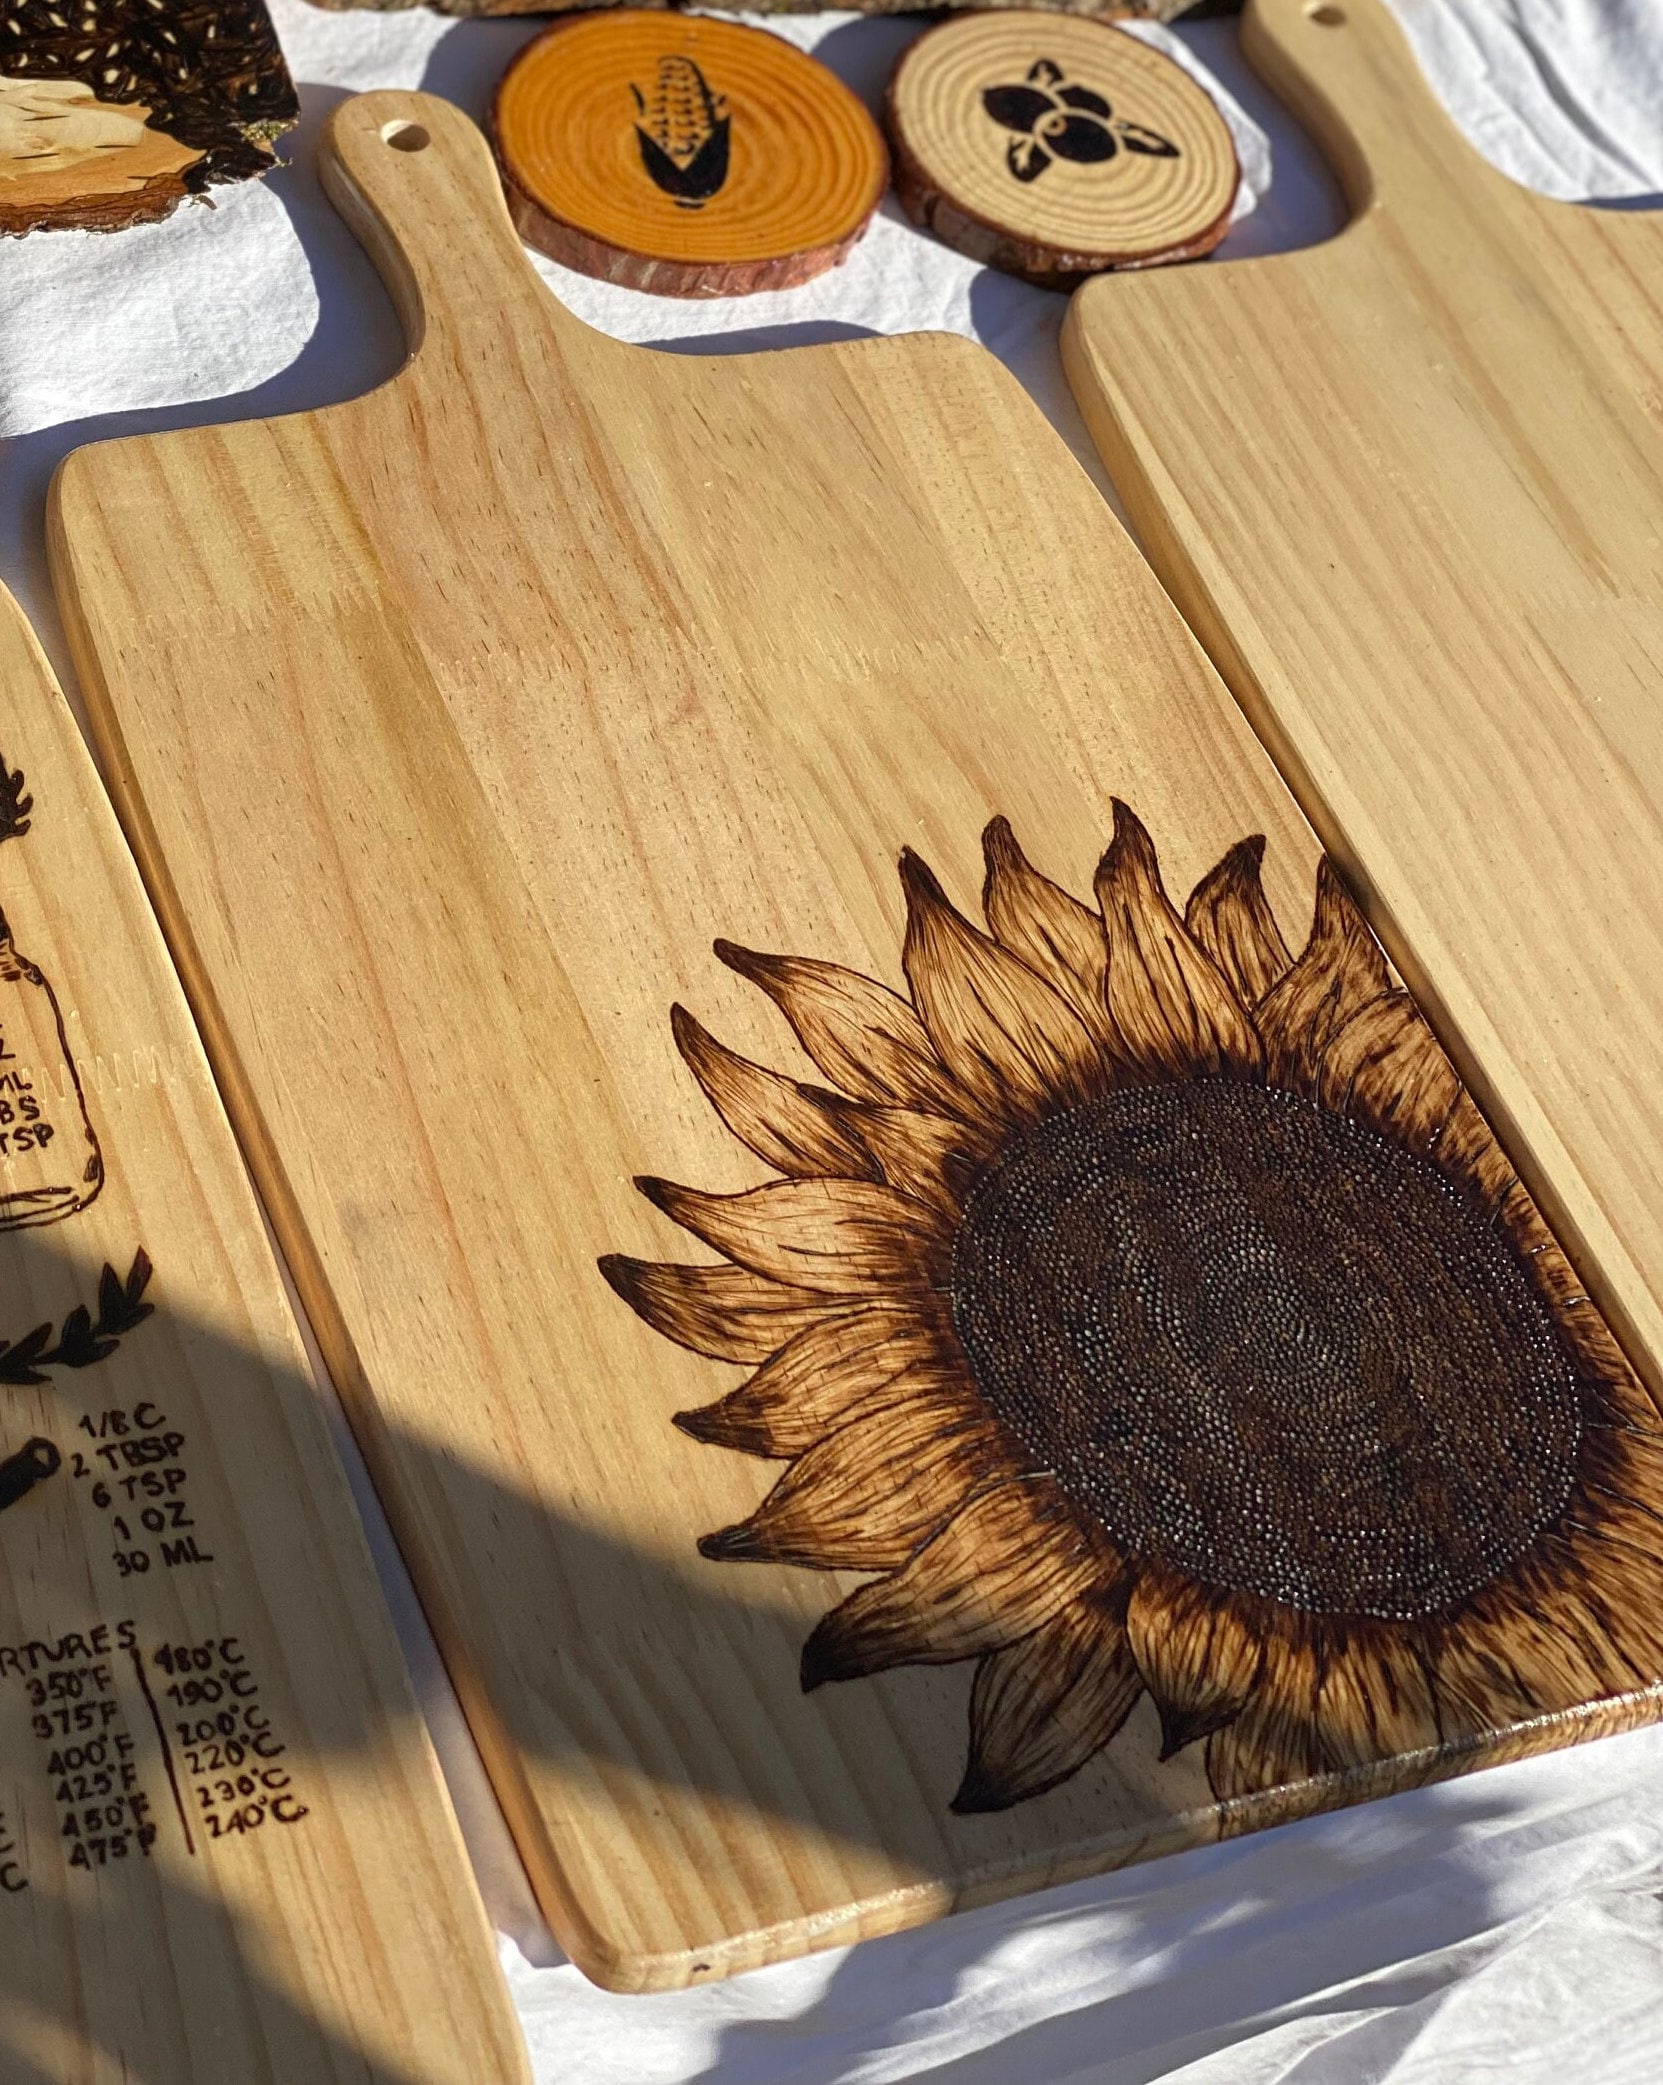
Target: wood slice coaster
(113,111)
(694,158)
(1055,147)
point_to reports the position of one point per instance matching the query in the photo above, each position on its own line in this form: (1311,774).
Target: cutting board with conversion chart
(225,1851)
(929,1315)
(1407,486)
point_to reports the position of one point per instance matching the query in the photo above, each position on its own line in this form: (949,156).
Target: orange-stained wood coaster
(692,157)
(1055,147)
(113,111)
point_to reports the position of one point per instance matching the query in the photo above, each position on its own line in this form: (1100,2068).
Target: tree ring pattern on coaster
(1055,146)
(684,155)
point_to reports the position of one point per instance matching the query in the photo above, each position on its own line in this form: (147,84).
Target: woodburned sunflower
(1153,1310)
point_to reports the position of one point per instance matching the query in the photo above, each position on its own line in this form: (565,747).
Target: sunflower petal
(1374,1697)
(1273,1742)
(1167,1000)
(867,1496)
(1339,972)
(1385,1068)
(1468,1151)
(1608,1374)
(1013,1557)
(1477,1683)
(843,1237)
(1058,938)
(1041,1708)
(726,1313)
(1004,1034)
(848,1361)
(1618,1552)
(796,1129)
(1558,1280)
(1548,1622)
(1264,1748)
(1197,1650)
(1229,916)
(928,1156)
(864,1038)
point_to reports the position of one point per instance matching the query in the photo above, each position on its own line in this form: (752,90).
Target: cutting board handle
(416,183)
(1346,70)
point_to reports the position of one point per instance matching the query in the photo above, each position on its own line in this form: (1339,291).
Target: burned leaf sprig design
(82,1340)
(1058,119)
(15,803)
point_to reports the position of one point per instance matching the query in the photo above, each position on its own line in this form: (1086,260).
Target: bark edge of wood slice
(1055,147)
(685,156)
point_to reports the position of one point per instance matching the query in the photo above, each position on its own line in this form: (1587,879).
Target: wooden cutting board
(225,1852)
(1407,487)
(519,749)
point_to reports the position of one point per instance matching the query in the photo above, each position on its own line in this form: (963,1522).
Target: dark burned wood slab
(113,111)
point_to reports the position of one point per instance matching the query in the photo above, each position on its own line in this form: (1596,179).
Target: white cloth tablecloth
(1506,1926)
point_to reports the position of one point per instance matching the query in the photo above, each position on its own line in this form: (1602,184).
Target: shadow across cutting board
(41,2045)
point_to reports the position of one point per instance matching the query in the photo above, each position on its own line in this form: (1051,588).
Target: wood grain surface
(689,157)
(225,1851)
(1057,149)
(1406,487)
(453,726)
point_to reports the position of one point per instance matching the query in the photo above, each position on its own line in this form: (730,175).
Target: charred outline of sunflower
(1056,120)
(1152,1310)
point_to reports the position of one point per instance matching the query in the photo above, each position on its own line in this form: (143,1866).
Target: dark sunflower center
(1267,1347)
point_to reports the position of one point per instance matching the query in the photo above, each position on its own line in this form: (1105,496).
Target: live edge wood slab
(112,112)
(1405,486)
(225,1852)
(1100,1385)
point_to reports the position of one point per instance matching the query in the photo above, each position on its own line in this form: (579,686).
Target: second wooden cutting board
(1144,1305)
(1408,488)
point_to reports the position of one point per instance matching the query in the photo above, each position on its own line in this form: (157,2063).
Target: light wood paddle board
(1407,487)
(1123,1392)
(225,1852)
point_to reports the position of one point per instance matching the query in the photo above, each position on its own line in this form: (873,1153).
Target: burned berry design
(1054,119)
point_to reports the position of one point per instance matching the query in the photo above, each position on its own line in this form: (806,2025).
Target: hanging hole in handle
(1324,13)
(405,137)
